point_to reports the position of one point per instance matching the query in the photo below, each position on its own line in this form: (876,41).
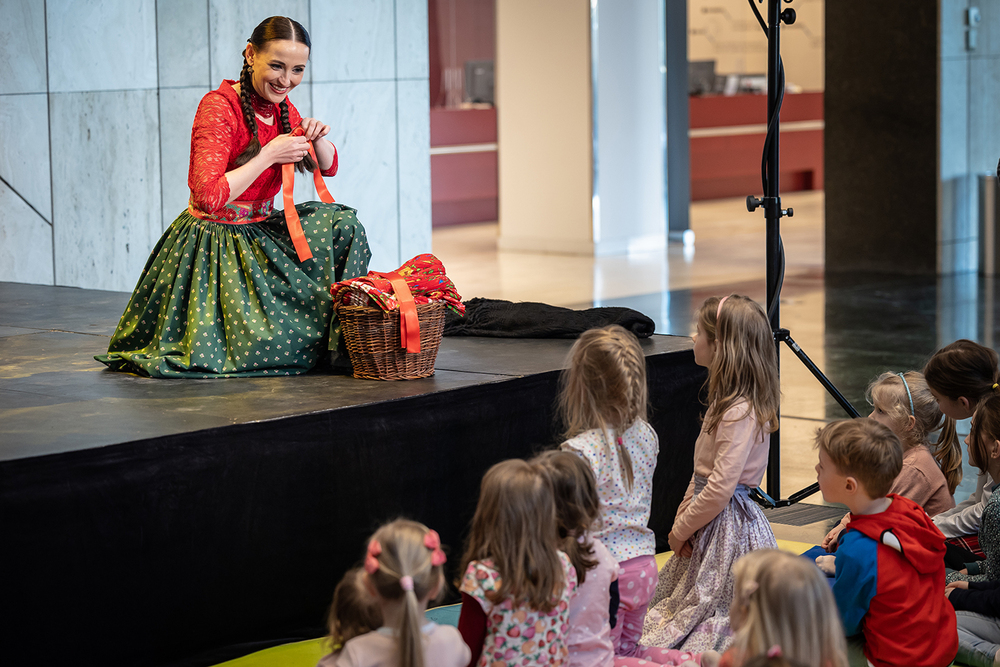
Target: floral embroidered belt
(237,212)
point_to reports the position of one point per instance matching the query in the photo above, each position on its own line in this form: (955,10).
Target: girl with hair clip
(717,522)
(403,572)
(960,375)
(904,403)
(517,585)
(353,612)
(226,292)
(602,402)
(783,608)
(577,511)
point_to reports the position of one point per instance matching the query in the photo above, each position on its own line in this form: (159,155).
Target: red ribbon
(292,215)
(409,324)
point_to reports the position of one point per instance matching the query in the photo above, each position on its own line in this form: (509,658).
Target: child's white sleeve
(964,518)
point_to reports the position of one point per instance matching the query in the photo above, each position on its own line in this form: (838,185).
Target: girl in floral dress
(717,522)
(225,292)
(517,584)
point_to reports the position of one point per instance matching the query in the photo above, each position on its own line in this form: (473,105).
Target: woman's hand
(286,148)
(313,129)
(827,565)
(830,541)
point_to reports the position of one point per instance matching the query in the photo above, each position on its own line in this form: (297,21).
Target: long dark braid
(306,164)
(246,86)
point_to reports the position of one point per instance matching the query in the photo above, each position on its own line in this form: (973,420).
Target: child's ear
(964,402)
(850,484)
(436,591)
(995,449)
(911,423)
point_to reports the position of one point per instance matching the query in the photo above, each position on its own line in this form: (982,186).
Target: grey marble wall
(96,106)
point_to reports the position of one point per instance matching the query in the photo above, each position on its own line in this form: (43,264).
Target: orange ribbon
(409,324)
(292,215)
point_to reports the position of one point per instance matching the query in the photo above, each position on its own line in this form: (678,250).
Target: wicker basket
(373,342)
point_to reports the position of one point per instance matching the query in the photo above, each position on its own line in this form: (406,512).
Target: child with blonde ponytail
(931,472)
(403,569)
(602,403)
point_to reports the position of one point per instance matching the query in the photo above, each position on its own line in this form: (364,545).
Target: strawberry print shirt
(624,514)
(521,636)
(218,137)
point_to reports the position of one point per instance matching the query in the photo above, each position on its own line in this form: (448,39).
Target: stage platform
(154,522)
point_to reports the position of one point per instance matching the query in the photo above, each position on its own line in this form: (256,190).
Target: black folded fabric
(505,319)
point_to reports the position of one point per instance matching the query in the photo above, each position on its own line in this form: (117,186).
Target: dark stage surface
(150,522)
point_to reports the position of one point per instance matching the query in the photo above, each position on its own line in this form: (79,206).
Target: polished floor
(852,326)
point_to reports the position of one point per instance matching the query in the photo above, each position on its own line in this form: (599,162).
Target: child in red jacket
(889,564)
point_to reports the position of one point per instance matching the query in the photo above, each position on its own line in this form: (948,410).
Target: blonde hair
(888,393)
(353,611)
(785,600)
(745,364)
(604,387)
(578,507)
(515,527)
(403,553)
(864,449)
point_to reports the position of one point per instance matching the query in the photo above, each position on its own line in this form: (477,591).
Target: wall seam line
(48,109)
(399,184)
(159,107)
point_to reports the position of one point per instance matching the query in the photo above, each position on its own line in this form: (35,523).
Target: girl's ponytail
(411,651)
(948,452)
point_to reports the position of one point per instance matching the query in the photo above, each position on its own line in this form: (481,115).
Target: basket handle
(409,323)
(292,215)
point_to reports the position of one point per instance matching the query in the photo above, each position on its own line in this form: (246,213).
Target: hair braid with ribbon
(246,88)
(306,164)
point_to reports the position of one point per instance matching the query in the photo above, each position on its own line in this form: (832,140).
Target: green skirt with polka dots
(233,300)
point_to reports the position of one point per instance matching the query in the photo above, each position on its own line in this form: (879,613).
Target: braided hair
(275,27)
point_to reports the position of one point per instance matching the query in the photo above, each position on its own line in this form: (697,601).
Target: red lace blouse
(218,136)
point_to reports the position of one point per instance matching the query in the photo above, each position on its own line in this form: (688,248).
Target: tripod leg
(783,335)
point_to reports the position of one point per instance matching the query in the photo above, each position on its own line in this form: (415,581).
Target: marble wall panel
(988,32)
(182,43)
(22,47)
(25,242)
(954,117)
(353,40)
(363,127)
(24,156)
(109,45)
(984,100)
(106,192)
(414,168)
(412,55)
(953,28)
(231,24)
(177,110)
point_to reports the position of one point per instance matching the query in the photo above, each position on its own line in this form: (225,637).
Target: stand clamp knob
(790,212)
(753,203)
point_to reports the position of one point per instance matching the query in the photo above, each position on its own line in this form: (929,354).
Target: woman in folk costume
(227,292)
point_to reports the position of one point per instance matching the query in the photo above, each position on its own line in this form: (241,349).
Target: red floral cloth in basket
(424,275)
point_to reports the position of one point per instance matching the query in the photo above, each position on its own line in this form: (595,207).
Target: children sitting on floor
(904,403)
(403,572)
(889,567)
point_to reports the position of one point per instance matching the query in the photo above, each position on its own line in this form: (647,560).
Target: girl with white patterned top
(602,401)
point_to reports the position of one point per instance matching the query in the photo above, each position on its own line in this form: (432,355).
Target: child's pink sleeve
(734,437)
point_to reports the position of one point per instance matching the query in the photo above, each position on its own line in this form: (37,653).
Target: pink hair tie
(774,651)
(406,583)
(719,311)
(371,558)
(433,542)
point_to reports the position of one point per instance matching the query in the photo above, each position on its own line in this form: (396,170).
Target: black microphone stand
(771,203)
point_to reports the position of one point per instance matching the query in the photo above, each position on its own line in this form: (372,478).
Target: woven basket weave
(373,342)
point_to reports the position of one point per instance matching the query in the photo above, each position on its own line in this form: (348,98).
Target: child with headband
(961,375)
(717,522)
(517,584)
(904,403)
(602,402)
(403,572)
